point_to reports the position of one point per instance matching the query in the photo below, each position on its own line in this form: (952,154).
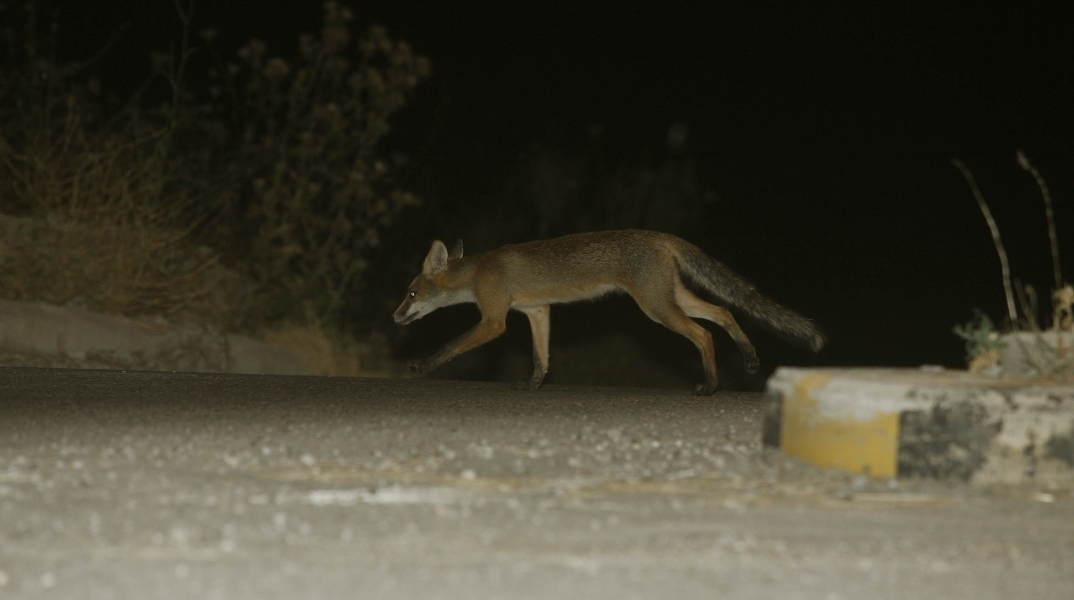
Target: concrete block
(923,423)
(77,335)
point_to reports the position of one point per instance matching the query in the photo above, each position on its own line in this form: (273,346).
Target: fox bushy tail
(716,278)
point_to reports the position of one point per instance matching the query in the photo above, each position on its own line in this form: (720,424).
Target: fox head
(427,292)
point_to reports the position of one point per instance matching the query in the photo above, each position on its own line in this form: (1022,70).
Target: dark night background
(825,130)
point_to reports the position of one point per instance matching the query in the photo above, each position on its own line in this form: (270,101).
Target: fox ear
(456,250)
(436,260)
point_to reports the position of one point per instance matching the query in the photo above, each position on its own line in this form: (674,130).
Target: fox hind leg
(663,308)
(699,309)
(540,325)
(679,322)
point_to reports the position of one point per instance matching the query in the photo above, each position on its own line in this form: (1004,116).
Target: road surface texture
(140,485)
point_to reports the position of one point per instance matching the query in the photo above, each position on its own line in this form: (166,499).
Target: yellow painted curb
(860,445)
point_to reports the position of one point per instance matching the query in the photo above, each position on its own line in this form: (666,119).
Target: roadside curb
(62,334)
(923,423)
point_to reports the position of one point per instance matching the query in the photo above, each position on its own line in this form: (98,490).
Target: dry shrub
(89,218)
(318,190)
(96,237)
(279,168)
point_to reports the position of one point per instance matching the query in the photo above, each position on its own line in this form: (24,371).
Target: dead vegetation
(275,172)
(1050,353)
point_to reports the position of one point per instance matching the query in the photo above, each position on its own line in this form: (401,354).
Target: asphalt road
(137,485)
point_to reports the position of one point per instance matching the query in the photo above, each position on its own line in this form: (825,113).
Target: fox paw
(420,366)
(705,389)
(752,364)
(526,384)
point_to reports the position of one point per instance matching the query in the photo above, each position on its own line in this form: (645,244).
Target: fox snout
(403,319)
(406,313)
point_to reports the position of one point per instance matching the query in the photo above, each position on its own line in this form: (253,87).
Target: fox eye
(412,294)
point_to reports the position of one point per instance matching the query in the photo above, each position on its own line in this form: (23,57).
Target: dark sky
(827,129)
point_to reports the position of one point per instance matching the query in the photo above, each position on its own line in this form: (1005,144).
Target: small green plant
(983,341)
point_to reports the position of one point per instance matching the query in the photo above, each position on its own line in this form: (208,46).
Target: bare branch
(1008,288)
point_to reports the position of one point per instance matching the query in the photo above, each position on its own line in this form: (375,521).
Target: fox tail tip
(817,341)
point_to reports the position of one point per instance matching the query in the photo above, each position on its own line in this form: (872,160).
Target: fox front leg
(423,365)
(487,330)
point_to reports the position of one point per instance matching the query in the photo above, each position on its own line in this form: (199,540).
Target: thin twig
(1027,296)
(1006,267)
(1023,161)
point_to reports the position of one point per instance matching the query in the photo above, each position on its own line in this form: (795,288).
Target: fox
(651,266)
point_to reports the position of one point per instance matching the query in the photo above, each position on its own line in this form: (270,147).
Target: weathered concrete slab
(924,423)
(64,332)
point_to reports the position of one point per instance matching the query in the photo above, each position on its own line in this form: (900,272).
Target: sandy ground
(143,485)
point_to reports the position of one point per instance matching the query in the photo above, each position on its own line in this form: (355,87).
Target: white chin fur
(410,317)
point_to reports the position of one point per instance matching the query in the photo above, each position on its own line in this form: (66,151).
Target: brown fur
(648,265)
